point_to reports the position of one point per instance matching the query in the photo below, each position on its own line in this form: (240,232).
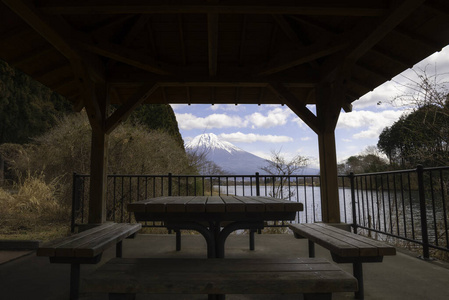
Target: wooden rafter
(142,7)
(296,105)
(123,112)
(422,41)
(390,56)
(394,18)
(307,54)
(32,55)
(125,55)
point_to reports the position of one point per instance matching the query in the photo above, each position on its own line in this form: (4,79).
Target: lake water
(395,213)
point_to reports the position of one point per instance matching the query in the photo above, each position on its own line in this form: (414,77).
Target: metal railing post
(257,184)
(354,214)
(74,189)
(170,184)
(423,212)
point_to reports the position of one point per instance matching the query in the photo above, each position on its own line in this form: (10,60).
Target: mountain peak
(212,142)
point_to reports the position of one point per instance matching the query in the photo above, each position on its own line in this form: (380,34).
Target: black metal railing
(408,207)
(124,189)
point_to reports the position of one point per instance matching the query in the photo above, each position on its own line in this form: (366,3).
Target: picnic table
(214,217)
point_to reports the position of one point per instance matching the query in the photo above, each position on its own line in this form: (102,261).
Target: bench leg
(251,240)
(74,281)
(114,296)
(311,249)
(323,296)
(178,240)
(358,274)
(119,249)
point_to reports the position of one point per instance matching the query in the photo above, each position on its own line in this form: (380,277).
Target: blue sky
(266,128)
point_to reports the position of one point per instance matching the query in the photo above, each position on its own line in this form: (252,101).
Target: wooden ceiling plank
(242,39)
(182,41)
(123,112)
(212,36)
(142,7)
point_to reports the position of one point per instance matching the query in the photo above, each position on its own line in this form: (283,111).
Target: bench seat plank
(382,248)
(89,243)
(218,276)
(340,242)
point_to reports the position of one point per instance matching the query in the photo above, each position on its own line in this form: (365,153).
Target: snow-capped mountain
(211,142)
(228,157)
(232,159)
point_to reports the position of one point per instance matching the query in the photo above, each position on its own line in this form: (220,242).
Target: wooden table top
(214,204)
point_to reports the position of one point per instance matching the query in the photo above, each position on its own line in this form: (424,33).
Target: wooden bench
(345,247)
(124,278)
(87,248)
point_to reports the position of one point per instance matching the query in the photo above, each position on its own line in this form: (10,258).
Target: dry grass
(31,211)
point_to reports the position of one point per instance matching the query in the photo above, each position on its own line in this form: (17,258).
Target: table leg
(205,232)
(228,229)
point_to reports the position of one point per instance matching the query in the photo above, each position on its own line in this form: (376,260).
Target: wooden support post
(330,206)
(98,177)
(328,111)
(99,155)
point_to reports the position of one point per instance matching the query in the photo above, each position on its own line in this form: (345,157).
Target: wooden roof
(207,51)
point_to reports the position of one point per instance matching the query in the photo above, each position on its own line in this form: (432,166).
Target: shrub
(66,149)
(33,202)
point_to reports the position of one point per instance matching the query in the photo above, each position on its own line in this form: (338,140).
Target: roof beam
(393,19)
(123,112)
(284,61)
(125,55)
(142,7)
(296,105)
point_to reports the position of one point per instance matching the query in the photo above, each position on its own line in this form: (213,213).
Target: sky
(262,130)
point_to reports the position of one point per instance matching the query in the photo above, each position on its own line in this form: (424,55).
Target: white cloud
(374,122)
(306,138)
(239,137)
(189,121)
(275,117)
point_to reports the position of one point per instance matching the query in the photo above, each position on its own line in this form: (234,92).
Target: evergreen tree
(27,108)
(158,117)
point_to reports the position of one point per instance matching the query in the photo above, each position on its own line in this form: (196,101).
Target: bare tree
(280,168)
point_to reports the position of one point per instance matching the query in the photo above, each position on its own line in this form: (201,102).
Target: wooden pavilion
(325,53)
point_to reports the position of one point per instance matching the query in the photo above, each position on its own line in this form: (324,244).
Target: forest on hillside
(42,142)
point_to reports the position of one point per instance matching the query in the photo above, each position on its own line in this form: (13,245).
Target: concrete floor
(399,277)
